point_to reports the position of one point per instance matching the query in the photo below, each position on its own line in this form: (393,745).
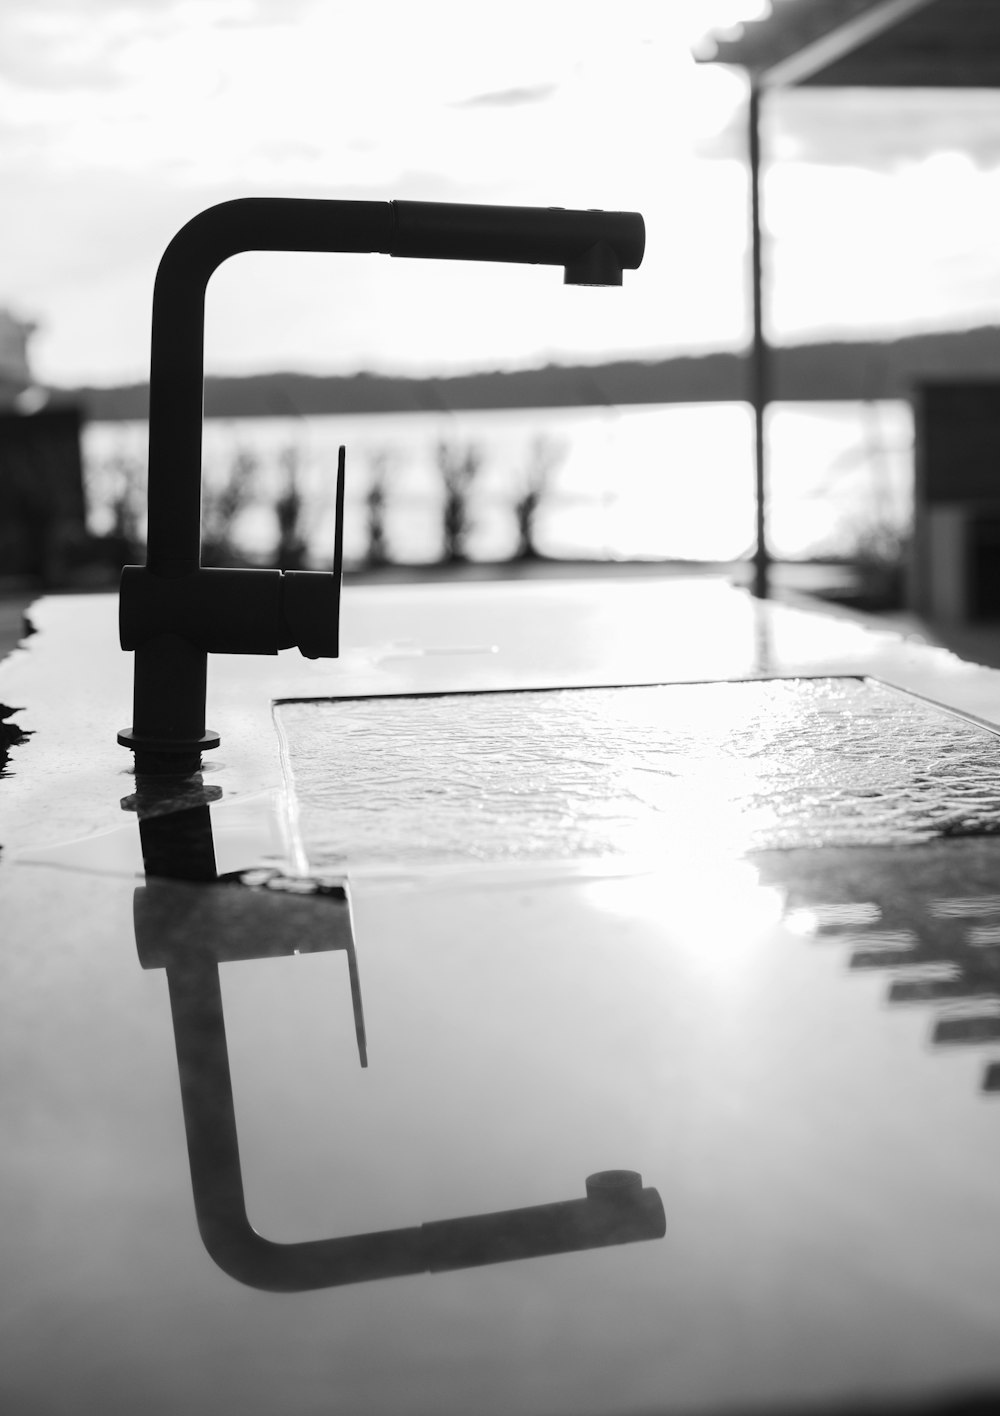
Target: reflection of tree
(544,456)
(897,909)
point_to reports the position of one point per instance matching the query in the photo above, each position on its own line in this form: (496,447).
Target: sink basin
(616,778)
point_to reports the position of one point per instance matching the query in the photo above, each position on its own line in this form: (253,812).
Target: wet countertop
(688,888)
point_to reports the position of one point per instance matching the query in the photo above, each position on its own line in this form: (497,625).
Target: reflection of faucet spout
(616,1210)
(188,925)
(173,612)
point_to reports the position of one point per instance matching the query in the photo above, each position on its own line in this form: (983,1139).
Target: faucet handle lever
(338,542)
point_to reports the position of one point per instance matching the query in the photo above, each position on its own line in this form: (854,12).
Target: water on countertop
(616,776)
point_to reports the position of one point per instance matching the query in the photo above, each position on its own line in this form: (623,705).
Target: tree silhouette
(379,464)
(544,456)
(289,509)
(459,468)
(222,504)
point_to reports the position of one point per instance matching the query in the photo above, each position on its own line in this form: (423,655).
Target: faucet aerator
(598,265)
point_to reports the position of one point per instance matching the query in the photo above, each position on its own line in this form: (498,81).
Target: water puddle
(238,836)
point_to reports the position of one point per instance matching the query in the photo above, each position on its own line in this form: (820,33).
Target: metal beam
(759,367)
(838,42)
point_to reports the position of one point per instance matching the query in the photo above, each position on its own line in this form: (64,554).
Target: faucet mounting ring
(172,745)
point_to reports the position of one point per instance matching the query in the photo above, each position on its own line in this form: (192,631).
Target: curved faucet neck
(176,381)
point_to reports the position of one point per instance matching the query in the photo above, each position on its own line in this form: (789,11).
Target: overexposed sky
(120,119)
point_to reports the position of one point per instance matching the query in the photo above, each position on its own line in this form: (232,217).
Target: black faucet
(173,611)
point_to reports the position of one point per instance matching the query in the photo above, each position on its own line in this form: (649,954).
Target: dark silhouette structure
(42,508)
(956,528)
(289,510)
(544,456)
(841,44)
(459,470)
(174,612)
(376,497)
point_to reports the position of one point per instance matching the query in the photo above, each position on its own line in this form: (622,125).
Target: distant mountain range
(803,372)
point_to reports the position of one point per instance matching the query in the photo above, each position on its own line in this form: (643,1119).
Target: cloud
(509,97)
(121,118)
(46,48)
(79,44)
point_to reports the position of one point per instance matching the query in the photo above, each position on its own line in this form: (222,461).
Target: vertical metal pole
(759,370)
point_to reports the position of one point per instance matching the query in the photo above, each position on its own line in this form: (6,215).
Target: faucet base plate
(168,756)
(141,743)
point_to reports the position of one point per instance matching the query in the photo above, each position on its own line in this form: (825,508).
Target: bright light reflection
(703,897)
(828,918)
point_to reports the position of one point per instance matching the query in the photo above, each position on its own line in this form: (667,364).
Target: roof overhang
(867,44)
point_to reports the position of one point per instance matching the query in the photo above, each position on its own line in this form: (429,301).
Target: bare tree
(127,474)
(544,456)
(379,464)
(289,508)
(222,504)
(459,468)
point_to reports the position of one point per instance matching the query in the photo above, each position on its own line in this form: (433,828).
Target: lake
(664,481)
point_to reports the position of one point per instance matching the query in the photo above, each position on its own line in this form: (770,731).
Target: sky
(120,119)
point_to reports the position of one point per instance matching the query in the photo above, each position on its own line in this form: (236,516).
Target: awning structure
(910,44)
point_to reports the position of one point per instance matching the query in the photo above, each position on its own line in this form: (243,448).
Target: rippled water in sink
(623,774)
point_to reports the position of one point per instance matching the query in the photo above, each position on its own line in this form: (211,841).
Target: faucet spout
(171,610)
(595,244)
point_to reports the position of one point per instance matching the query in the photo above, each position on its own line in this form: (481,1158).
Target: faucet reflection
(188,921)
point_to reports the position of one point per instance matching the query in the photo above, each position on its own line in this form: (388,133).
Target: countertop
(792,1036)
